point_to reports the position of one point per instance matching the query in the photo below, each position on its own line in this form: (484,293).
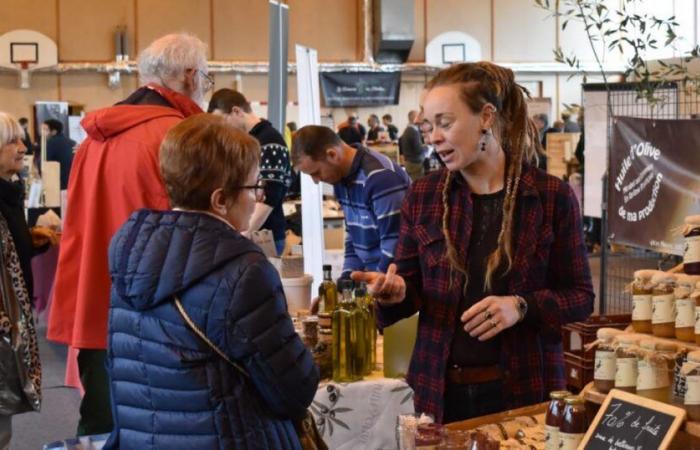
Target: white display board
(308,93)
(595,104)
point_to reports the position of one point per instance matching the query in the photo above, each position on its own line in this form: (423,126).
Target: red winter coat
(115,172)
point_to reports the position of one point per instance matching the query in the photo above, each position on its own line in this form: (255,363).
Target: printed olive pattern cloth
(362,414)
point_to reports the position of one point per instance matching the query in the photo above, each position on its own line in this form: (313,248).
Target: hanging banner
(360,88)
(654,181)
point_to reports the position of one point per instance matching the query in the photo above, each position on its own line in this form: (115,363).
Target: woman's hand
(388,288)
(490,316)
(42,236)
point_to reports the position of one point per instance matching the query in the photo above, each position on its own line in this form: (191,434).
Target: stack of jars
(354,333)
(565,421)
(691,257)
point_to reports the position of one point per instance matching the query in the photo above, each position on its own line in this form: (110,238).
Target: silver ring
(488,314)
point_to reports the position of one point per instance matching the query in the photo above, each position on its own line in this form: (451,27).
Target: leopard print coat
(28,346)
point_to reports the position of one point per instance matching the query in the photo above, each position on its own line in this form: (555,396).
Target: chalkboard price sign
(628,422)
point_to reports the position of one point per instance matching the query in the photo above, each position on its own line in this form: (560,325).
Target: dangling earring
(482,141)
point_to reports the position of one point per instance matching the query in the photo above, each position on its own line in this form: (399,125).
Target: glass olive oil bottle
(327,292)
(344,324)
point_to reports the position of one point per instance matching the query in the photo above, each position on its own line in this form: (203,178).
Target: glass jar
(604,368)
(552,420)
(663,319)
(691,370)
(626,363)
(641,300)
(691,256)
(695,295)
(573,424)
(685,308)
(652,372)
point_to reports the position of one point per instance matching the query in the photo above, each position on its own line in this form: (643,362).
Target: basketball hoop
(25,51)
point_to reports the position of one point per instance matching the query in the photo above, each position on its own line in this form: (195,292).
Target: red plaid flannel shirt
(550,271)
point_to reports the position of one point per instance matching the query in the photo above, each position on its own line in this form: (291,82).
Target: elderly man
(116,171)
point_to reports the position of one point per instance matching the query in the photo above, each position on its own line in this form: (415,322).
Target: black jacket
(12,209)
(60,148)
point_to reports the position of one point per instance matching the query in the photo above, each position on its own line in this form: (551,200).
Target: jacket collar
(178,101)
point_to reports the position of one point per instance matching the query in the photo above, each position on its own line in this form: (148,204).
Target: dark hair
(543,118)
(225,99)
(565,116)
(313,141)
(292,126)
(23,121)
(203,153)
(480,84)
(54,125)
(387,117)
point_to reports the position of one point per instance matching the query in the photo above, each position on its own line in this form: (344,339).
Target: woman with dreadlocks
(490,253)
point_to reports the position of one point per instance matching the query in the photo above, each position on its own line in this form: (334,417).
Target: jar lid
(648,344)
(310,319)
(573,400)
(693,221)
(559,395)
(645,274)
(325,331)
(694,356)
(607,334)
(628,339)
(663,278)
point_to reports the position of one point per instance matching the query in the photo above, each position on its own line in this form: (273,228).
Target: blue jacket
(169,389)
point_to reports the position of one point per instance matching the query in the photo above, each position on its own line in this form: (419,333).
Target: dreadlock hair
(483,83)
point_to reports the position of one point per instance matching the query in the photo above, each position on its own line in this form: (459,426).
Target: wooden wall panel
(418,50)
(241,29)
(91,91)
(37,15)
(523,32)
(87,29)
(329,27)
(19,102)
(155,18)
(472,17)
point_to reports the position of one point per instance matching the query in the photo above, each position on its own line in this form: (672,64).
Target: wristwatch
(522,307)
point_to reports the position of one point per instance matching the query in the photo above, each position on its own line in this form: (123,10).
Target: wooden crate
(579,371)
(579,334)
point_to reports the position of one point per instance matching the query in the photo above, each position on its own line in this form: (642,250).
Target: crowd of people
(180,321)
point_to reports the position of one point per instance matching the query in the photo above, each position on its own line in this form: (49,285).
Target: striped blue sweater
(371,197)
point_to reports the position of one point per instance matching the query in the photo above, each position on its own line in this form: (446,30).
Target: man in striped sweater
(369,186)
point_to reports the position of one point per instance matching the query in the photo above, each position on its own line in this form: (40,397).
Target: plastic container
(685,307)
(552,420)
(298,293)
(691,256)
(663,320)
(604,372)
(573,424)
(691,370)
(626,363)
(641,300)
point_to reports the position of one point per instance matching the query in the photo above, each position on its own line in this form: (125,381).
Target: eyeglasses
(208,81)
(259,190)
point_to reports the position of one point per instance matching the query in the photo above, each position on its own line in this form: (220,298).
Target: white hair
(168,57)
(10,129)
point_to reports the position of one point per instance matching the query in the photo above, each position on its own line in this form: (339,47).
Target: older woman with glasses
(20,370)
(200,340)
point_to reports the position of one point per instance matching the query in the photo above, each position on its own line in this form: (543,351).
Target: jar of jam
(685,307)
(679,386)
(691,370)
(653,371)
(552,419)
(663,318)
(695,296)
(691,256)
(573,424)
(641,300)
(626,362)
(604,368)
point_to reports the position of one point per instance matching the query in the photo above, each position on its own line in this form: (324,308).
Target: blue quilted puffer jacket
(169,389)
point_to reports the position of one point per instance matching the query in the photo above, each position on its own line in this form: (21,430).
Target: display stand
(476,422)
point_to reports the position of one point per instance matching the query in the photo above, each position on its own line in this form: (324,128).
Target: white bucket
(298,293)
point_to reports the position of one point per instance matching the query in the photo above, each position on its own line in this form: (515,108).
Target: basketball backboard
(25,51)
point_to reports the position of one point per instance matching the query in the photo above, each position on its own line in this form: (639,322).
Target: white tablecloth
(361,415)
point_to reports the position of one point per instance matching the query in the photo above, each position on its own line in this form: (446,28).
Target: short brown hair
(225,99)
(313,141)
(203,153)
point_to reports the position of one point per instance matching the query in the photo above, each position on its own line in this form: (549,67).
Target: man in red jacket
(116,171)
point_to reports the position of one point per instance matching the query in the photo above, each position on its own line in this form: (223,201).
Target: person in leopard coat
(16,321)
